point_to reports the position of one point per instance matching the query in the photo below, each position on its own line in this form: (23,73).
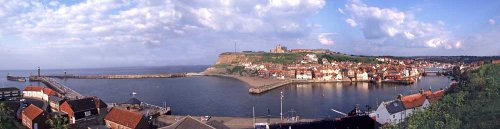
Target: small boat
(21,80)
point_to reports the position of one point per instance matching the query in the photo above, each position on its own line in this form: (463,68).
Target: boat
(15,78)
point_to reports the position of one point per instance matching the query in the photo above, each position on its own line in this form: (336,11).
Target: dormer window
(87,113)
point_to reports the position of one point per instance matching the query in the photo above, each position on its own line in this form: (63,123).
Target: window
(393,116)
(87,113)
(378,116)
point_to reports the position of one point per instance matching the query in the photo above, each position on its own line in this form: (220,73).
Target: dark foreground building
(352,122)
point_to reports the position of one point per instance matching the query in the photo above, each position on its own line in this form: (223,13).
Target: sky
(120,33)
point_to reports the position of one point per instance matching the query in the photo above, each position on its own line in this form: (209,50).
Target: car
(205,118)
(261,125)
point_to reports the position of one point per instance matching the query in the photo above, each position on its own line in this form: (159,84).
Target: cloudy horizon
(121,33)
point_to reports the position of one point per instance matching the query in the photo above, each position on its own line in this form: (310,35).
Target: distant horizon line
(137,66)
(83,68)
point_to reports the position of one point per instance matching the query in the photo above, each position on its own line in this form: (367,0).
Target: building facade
(80,110)
(122,119)
(34,117)
(9,93)
(38,92)
(279,49)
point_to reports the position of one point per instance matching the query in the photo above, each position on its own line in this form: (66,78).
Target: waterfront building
(39,92)
(389,112)
(188,122)
(34,117)
(9,93)
(123,119)
(55,102)
(434,97)
(80,109)
(362,76)
(304,74)
(395,111)
(101,106)
(279,49)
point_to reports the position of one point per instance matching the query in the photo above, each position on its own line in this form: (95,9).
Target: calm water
(220,96)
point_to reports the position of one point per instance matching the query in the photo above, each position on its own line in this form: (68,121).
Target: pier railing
(58,87)
(125,76)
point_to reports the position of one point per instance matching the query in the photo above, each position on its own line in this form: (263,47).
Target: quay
(145,108)
(130,76)
(264,88)
(261,89)
(232,122)
(58,87)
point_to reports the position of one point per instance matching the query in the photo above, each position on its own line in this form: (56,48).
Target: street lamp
(281,105)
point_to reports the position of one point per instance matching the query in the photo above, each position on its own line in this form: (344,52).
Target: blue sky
(117,33)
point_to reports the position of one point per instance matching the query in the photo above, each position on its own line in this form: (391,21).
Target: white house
(398,110)
(389,112)
(362,76)
(304,74)
(38,92)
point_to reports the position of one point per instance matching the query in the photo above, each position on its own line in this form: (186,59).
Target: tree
(58,122)
(4,116)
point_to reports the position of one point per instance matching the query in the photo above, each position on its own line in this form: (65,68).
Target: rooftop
(32,111)
(414,100)
(124,117)
(9,89)
(82,104)
(188,122)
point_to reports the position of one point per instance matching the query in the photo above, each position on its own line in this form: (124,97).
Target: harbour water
(220,96)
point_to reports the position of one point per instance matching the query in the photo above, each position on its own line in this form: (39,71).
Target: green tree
(472,104)
(58,122)
(5,113)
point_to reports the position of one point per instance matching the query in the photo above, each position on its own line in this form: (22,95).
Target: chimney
(421,91)
(400,96)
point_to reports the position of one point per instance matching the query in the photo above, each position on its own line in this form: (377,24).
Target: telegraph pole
(38,71)
(281,105)
(253,114)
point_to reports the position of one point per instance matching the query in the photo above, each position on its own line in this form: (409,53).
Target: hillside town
(323,65)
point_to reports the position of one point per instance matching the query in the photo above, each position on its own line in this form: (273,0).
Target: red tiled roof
(32,111)
(49,91)
(427,93)
(45,90)
(434,97)
(124,117)
(414,100)
(33,88)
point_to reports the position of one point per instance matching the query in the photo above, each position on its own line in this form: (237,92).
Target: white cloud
(492,21)
(351,22)
(340,11)
(101,30)
(53,3)
(392,27)
(324,39)
(458,44)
